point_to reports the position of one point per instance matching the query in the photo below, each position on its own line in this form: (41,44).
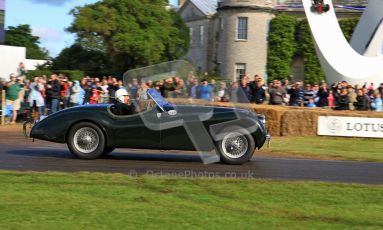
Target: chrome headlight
(262,119)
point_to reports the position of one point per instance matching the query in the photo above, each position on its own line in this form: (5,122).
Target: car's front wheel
(236,146)
(86,141)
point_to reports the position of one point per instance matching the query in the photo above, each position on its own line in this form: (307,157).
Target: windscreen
(159,72)
(158,82)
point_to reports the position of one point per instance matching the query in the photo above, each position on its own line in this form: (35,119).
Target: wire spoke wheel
(86,140)
(235,145)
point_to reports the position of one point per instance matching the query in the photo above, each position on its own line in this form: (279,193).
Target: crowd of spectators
(337,96)
(46,95)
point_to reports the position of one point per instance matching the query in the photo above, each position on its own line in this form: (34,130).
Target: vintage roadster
(93,130)
(90,131)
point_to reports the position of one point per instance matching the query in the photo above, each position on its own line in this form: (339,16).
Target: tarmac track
(17,153)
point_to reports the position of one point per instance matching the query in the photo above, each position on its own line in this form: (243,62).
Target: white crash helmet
(120,94)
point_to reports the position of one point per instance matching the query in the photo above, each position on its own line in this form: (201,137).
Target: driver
(123,105)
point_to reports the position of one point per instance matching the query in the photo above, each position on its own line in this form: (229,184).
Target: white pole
(3,107)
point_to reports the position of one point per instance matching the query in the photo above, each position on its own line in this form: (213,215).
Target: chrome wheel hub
(86,140)
(235,145)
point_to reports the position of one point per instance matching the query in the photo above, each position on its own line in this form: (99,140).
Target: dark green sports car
(217,133)
(93,130)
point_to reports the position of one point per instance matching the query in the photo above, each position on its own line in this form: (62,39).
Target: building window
(220,29)
(191,35)
(242,28)
(201,35)
(240,70)
(221,23)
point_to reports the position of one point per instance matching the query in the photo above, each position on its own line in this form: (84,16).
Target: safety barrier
(286,120)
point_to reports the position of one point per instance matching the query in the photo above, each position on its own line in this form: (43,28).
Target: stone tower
(2,16)
(242,40)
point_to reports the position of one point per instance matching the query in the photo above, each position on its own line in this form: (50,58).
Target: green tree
(179,43)
(22,36)
(131,33)
(282,46)
(348,26)
(77,57)
(312,67)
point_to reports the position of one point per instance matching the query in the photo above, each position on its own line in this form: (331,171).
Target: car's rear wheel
(236,145)
(86,141)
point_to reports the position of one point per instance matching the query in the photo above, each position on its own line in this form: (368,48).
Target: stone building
(2,16)
(200,17)
(229,37)
(242,40)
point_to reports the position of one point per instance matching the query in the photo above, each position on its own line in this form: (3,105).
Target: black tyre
(107,150)
(326,7)
(313,8)
(236,145)
(86,141)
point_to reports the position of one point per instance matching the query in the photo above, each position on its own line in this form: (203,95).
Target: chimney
(181,3)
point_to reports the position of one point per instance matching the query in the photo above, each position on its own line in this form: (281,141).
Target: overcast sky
(48,19)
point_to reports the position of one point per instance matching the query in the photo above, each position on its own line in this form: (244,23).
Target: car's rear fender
(56,126)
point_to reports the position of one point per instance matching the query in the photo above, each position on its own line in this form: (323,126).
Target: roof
(207,7)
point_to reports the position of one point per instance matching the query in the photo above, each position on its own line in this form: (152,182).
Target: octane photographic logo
(201,138)
(334,125)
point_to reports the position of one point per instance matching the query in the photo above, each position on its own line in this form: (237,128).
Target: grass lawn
(114,201)
(366,149)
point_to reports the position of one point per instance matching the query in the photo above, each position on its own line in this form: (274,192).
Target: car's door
(140,130)
(173,132)
(185,129)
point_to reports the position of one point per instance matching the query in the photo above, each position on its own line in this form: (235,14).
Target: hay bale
(273,116)
(298,123)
